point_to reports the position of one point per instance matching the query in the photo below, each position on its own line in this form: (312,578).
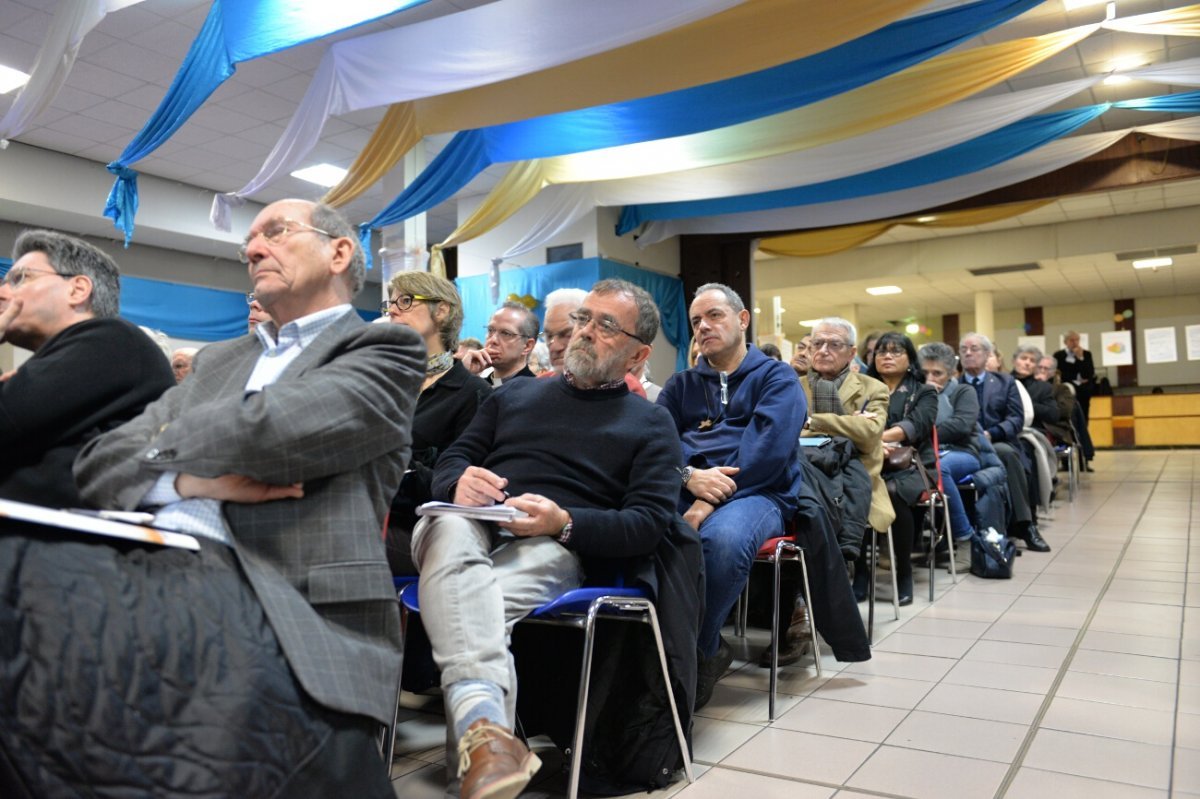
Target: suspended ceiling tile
(266,134)
(16,53)
(55,140)
(129,59)
(168,38)
(291,88)
(145,97)
(260,72)
(131,21)
(115,113)
(233,147)
(222,119)
(93,130)
(260,106)
(355,139)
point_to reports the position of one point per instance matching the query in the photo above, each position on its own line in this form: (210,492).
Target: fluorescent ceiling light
(1152,263)
(1127,62)
(809,322)
(912,328)
(924,219)
(878,291)
(11,79)
(322,174)
(1117,80)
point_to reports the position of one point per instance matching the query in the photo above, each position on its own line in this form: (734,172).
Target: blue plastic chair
(580,608)
(387,746)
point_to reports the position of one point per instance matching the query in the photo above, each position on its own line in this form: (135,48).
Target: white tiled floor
(1080,677)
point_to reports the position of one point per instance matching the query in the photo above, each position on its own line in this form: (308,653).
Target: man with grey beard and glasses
(598,497)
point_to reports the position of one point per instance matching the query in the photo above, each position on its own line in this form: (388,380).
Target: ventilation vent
(1003,270)
(1137,255)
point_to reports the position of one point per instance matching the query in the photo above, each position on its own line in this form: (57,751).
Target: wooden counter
(1145,420)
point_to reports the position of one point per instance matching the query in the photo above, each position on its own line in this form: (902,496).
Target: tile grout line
(1183,619)
(1051,694)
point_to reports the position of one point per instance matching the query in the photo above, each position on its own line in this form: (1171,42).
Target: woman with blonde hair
(449,397)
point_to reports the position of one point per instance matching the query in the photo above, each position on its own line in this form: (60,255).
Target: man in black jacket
(90,371)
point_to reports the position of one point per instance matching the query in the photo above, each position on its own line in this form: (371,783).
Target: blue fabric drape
(970,156)
(1184,103)
(539,281)
(714,105)
(180,311)
(234,31)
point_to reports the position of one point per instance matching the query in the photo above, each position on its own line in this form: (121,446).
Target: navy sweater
(757,431)
(608,457)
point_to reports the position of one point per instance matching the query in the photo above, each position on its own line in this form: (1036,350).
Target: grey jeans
(476,583)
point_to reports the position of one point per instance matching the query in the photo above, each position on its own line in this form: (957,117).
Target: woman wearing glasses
(449,397)
(912,411)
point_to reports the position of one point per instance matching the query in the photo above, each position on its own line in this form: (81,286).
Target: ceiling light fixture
(926,219)
(912,328)
(1127,62)
(1152,263)
(322,174)
(1117,80)
(879,291)
(11,79)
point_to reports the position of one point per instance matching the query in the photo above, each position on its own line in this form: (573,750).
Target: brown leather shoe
(493,763)
(795,639)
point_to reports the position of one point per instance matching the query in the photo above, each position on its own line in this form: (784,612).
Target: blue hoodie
(757,430)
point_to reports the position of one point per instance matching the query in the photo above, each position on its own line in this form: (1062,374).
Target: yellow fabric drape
(916,90)
(827,241)
(755,35)
(1183,21)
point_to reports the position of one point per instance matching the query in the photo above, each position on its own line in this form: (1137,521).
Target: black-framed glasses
(18,277)
(275,231)
(895,352)
(606,326)
(403,302)
(506,335)
(831,344)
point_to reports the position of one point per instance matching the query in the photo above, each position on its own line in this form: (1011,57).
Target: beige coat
(859,392)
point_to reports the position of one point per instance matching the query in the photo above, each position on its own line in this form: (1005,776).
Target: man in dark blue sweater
(602,487)
(739,415)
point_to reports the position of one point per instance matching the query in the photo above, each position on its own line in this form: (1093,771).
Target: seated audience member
(995,362)
(738,414)
(1002,416)
(1045,408)
(957,423)
(1062,431)
(771,351)
(600,497)
(450,395)
(539,359)
(868,347)
(911,414)
(181,362)
(800,356)
(90,371)
(256,315)
(466,345)
(557,327)
(848,404)
(511,333)
(642,374)
(1075,366)
(264,663)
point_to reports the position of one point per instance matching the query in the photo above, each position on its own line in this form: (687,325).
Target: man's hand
(545,516)
(9,314)
(713,485)
(7,375)
(696,514)
(479,487)
(476,361)
(234,488)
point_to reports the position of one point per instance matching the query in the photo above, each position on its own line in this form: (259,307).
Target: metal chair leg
(950,540)
(388,744)
(812,624)
(895,568)
(871,550)
(775,633)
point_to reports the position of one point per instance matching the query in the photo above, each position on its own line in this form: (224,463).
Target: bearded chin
(581,363)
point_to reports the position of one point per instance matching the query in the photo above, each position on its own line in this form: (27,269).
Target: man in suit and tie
(280,453)
(1002,416)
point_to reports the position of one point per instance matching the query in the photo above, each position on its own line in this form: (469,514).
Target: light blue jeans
(731,537)
(475,585)
(955,466)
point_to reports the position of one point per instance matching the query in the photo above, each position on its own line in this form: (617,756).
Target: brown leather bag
(897,459)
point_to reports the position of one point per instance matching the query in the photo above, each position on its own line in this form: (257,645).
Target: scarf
(945,409)
(825,392)
(436,364)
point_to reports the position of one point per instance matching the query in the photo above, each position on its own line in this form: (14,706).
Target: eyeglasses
(404,302)
(831,344)
(506,335)
(18,277)
(893,351)
(249,297)
(275,232)
(966,350)
(606,327)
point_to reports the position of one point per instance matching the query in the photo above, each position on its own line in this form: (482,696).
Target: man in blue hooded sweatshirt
(739,415)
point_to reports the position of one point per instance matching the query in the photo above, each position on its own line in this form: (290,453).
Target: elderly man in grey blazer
(280,453)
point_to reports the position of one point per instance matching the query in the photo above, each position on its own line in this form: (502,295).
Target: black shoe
(1087,466)
(709,670)
(905,585)
(862,582)
(795,640)
(1033,539)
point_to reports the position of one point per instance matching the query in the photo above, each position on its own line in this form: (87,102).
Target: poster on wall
(1160,345)
(1033,341)
(1116,348)
(1192,335)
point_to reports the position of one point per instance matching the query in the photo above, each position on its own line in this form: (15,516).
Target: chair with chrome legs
(387,744)
(937,519)
(872,562)
(581,608)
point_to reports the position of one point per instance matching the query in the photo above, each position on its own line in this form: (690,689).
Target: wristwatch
(685,473)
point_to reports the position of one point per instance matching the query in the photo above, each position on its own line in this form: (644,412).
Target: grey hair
(71,256)
(941,352)
(540,355)
(530,326)
(333,222)
(1024,348)
(731,296)
(984,341)
(572,297)
(647,312)
(845,324)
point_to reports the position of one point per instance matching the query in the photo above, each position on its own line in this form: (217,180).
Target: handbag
(992,556)
(897,459)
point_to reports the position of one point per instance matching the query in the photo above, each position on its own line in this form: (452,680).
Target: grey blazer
(338,420)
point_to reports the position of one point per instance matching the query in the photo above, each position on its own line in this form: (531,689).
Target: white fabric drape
(570,203)
(73,19)
(460,51)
